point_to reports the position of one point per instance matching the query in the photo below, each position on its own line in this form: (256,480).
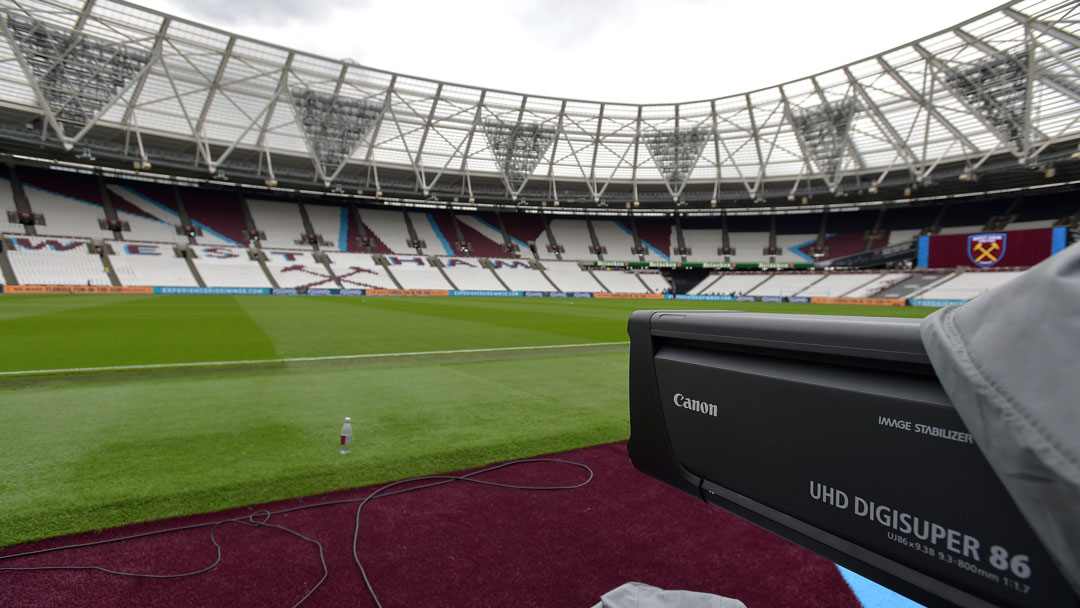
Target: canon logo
(695,405)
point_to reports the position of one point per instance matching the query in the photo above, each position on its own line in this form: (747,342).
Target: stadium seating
(877,285)
(568,276)
(912,285)
(520,275)
(333,225)
(389,227)
(655,281)
(292,269)
(790,246)
(704,243)
(279,222)
(468,274)
(523,229)
(903,236)
(617,237)
(149,219)
(620,281)
(149,264)
(218,214)
(7,204)
(573,236)
(783,284)
(359,271)
(414,272)
(228,267)
(486,238)
(836,285)
(658,237)
(427,229)
(969,285)
(969,229)
(750,246)
(40,260)
(734,283)
(64,215)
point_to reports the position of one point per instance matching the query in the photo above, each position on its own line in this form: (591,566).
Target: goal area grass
(90,449)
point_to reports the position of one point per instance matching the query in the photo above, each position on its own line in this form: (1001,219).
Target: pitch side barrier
(835,433)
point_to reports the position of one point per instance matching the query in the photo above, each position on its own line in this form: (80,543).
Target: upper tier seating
(292,269)
(573,237)
(218,214)
(970,229)
(468,274)
(836,285)
(54,261)
(658,238)
(789,248)
(228,267)
(620,281)
(66,216)
(7,203)
(436,242)
(784,285)
(873,287)
(389,227)
(524,229)
(735,283)
(486,238)
(149,264)
(969,285)
(568,276)
(280,222)
(332,225)
(414,272)
(655,281)
(903,236)
(150,220)
(519,275)
(359,271)
(704,243)
(617,237)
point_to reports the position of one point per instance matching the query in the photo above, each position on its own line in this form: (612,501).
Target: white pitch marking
(117,368)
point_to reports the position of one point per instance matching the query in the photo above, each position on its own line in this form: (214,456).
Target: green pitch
(89,450)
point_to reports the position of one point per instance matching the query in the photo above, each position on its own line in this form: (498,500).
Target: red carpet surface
(459,544)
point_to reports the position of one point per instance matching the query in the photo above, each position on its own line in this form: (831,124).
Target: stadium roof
(995,99)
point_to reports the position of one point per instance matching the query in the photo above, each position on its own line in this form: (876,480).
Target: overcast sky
(638,51)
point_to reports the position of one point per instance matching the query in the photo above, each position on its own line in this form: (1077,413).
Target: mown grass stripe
(421,353)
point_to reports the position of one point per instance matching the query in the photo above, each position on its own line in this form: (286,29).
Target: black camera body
(834,433)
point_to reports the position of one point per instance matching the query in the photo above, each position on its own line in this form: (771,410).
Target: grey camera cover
(640,595)
(1010,362)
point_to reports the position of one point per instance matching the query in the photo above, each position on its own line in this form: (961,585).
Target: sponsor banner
(709,297)
(322,291)
(629,296)
(934,303)
(485,293)
(285,292)
(408,292)
(746,299)
(211,291)
(352,292)
(535,294)
(862,301)
(727,265)
(88,289)
(581,294)
(557,294)
(799,300)
(712,265)
(773,299)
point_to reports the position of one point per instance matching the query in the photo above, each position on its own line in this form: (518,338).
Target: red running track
(459,544)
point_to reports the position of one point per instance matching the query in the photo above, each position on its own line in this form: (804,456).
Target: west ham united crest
(985,250)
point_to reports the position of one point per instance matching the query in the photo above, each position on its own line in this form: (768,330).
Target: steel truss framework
(1003,84)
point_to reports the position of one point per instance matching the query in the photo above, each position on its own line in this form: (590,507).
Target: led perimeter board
(834,433)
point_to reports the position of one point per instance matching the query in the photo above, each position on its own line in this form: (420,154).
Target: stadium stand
(902,236)
(389,227)
(784,285)
(524,229)
(414,272)
(359,271)
(733,283)
(568,276)
(620,281)
(618,239)
(750,246)
(292,269)
(69,202)
(38,260)
(469,274)
(836,285)
(969,285)
(791,246)
(279,222)
(333,226)
(218,214)
(7,206)
(655,281)
(912,285)
(874,287)
(658,237)
(427,229)
(703,244)
(573,236)
(228,267)
(486,237)
(520,275)
(970,229)
(149,264)
(150,212)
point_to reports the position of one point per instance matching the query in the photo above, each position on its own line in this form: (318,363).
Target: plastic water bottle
(346,436)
